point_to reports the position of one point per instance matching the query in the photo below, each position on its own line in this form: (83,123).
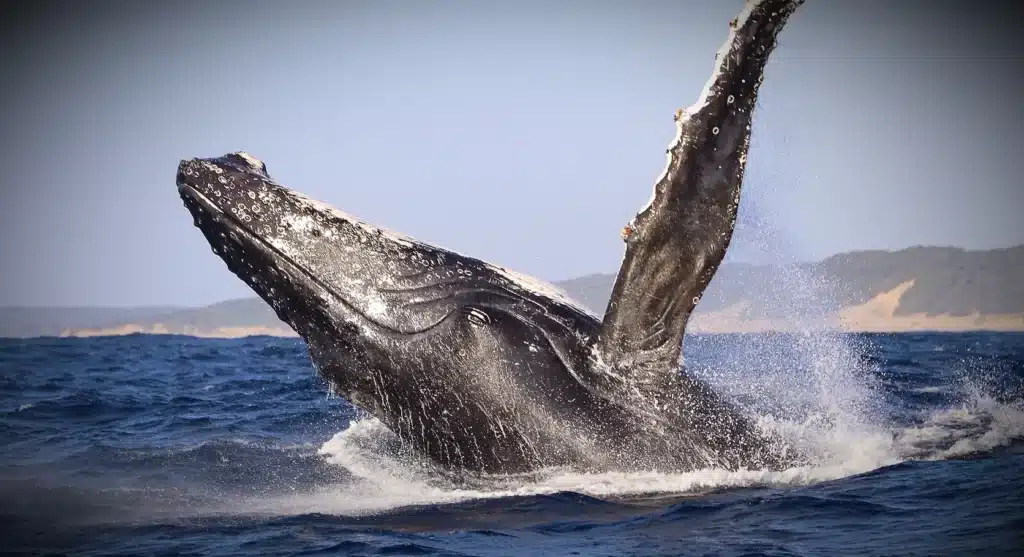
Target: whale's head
(447,350)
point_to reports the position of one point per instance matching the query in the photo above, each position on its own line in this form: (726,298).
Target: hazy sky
(524,133)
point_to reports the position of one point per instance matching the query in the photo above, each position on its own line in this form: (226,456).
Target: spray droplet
(714,130)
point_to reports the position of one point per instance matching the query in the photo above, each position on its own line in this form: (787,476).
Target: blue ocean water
(162,445)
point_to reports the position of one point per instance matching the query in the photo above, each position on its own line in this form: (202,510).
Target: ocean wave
(262,440)
(980,425)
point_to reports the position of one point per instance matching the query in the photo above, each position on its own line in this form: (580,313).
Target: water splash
(977,426)
(985,412)
(819,397)
(386,479)
(819,389)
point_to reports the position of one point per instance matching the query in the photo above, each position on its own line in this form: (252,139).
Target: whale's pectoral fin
(675,244)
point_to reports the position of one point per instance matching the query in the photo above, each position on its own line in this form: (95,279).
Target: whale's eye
(478,317)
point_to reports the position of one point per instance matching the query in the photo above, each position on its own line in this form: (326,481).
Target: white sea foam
(979,425)
(384,481)
(386,477)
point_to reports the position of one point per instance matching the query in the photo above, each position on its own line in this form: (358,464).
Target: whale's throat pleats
(675,244)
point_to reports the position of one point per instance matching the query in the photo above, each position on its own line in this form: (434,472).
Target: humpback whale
(485,370)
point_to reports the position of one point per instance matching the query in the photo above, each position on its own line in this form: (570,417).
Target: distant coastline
(877,315)
(159,329)
(867,318)
(917,289)
(936,324)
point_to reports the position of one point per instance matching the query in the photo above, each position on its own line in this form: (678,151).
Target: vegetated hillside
(946,281)
(51,321)
(949,281)
(240,313)
(915,282)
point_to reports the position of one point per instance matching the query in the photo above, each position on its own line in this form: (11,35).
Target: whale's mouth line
(230,220)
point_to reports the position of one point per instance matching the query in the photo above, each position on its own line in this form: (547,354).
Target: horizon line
(174,307)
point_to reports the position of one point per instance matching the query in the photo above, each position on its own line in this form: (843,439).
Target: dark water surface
(157,445)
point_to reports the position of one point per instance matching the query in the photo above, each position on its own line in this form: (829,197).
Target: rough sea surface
(161,445)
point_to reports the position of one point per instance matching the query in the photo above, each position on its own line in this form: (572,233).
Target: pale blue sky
(526,134)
